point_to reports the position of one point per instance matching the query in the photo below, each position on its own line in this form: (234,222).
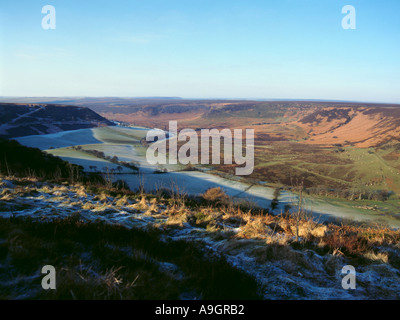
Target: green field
(332,167)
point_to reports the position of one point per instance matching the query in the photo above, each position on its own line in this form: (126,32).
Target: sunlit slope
(361,127)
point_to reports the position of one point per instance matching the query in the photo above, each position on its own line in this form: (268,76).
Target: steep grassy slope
(23,161)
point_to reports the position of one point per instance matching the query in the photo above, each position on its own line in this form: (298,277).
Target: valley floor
(124,142)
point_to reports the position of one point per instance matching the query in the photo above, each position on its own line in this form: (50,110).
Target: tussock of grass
(153,207)
(122,201)
(256,228)
(80,192)
(178,219)
(141,205)
(215,196)
(378,256)
(101,197)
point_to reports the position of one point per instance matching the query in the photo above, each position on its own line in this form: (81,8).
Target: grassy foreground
(107,243)
(102,261)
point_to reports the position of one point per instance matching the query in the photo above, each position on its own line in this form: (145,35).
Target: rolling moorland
(338,150)
(223,243)
(332,144)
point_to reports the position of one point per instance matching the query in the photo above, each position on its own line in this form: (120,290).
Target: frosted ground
(124,142)
(290,274)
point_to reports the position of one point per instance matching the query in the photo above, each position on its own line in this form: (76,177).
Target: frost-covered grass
(107,261)
(113,135)
(111,244)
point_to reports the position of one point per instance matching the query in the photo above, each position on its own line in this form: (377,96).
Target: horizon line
(209,98)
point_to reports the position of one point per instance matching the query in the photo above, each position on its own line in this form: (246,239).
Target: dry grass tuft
(122,202)
(206,218)
(101,197)
(215,195)
(382,257)
(153,209)
(256,228)
(308,229)
(141,205)
(7,197)
(80,192)
(178,219)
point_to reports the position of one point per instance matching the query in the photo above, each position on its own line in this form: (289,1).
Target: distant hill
(309,122)
(17,120)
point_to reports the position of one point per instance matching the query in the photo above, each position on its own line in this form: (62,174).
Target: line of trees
(99,154)
(354,193)
(21,161)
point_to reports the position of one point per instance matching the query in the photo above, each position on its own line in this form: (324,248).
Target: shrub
(215,195)
(120,185)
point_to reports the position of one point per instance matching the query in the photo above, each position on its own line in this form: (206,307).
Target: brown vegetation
(110,261)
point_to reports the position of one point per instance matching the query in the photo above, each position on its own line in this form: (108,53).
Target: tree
(114,159)
(275,201)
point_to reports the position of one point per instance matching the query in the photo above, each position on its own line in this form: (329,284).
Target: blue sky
(278,49)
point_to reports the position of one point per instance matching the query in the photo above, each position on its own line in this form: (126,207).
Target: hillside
(316,123)
(311,122)
(341,149)
(338,148)
(110,244)
(17,120)
(23,161)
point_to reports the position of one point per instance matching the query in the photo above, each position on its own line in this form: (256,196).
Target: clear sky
(278,49)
